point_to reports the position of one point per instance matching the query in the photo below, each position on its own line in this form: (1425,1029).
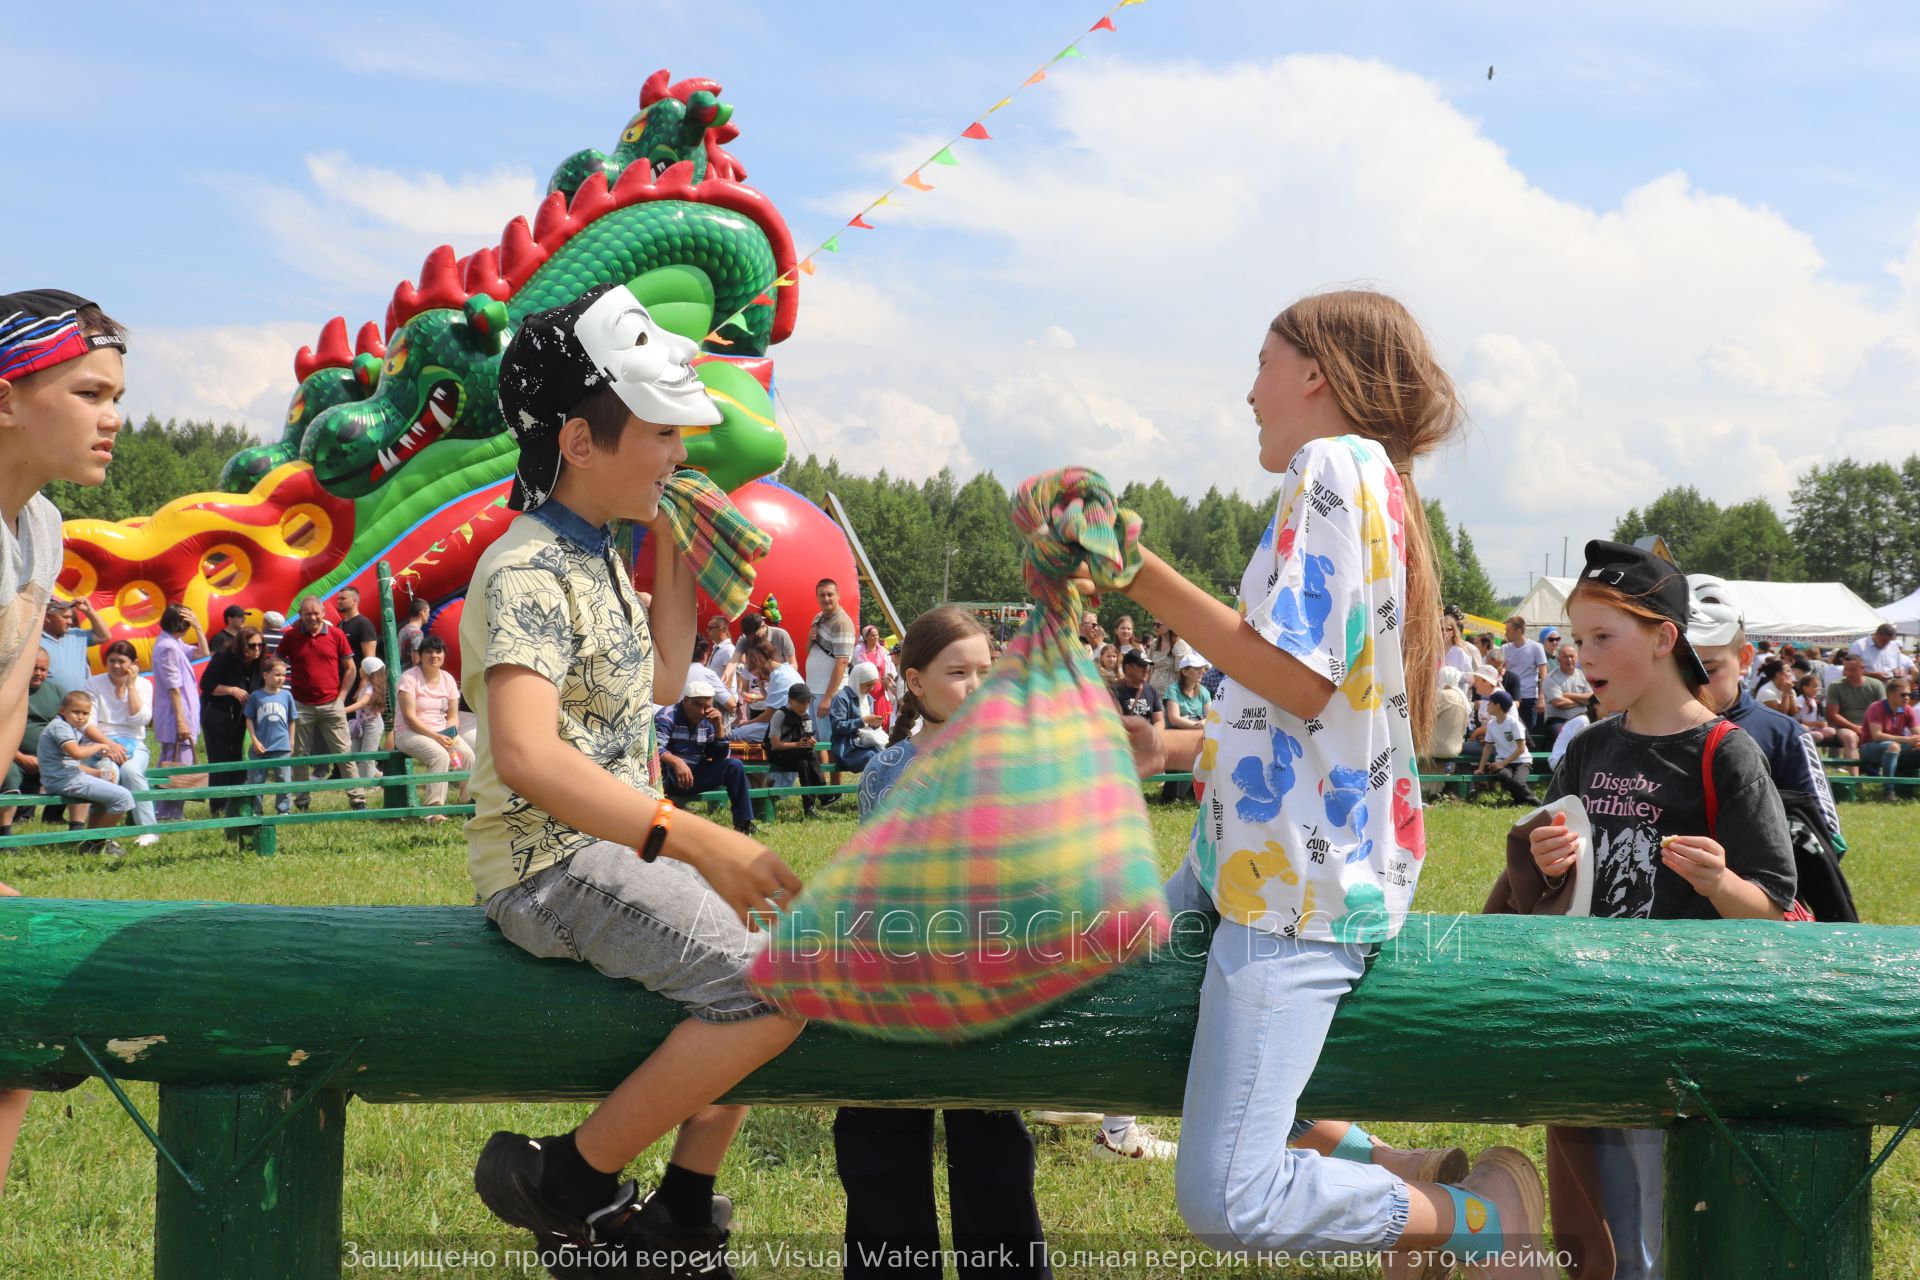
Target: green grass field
(80,1199)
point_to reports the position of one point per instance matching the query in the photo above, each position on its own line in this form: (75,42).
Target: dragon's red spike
(368,342)
(687,88)
(483,276)
(393,323)
(591,199)
(332,352)
(678,177)
(520,257)
(550,223)
(655,88)
(439,287)
(635,181)
(725,133)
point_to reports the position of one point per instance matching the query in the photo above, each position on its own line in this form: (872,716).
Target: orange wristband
(657,834)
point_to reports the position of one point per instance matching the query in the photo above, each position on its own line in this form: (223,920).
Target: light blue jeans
(133,776)
(1265,1007)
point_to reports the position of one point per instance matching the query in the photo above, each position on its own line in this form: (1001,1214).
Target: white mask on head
(651,369)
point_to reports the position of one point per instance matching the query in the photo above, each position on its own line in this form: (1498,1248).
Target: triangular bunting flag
(861,222)
(944,156)
(832,245)
(1105,24)
(786,281)
(913,180)
(764,300)
(717,340)
(1071,51)
(877,203)
(1035,78)
(806,265)
(995,107)
(1125,3)
(978,131)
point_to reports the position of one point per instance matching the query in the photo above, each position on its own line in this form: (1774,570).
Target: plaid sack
(1012,863)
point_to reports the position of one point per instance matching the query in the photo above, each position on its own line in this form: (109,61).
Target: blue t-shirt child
(58,769)
(271,715)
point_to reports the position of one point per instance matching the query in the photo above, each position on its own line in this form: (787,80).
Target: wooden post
(267,1208)
(1722,1220)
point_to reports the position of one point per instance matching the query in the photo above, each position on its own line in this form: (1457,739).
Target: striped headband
(40,328)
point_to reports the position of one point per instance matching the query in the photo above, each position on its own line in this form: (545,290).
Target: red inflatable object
(807,546)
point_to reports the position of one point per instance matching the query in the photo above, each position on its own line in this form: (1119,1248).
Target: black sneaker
(628,1238)
(356,805)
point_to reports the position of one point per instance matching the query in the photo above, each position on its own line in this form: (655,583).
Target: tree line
(1847,521)
(937,539)
(944,540)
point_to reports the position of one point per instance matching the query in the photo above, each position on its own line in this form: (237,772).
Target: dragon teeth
(440,415)
(389,459)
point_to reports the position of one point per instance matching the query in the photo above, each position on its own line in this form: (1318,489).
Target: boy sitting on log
(569,831)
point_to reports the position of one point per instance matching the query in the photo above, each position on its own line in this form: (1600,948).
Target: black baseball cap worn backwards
(1654,583)
(559,357)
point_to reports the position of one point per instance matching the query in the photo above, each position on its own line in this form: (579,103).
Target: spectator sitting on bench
(693,751)
(1504,757)
(850,719)
(790,746)
(43,708)
(1566,691)
(63,748)
(1450,712)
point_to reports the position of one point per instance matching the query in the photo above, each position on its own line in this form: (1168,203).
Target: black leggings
(885,1160)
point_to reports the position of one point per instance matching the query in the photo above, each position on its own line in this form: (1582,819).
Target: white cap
(1487,672)
(372,666)
(1193,662)
(1717,618)
(863,673)
(1452,677)
(699,684)
(274,618)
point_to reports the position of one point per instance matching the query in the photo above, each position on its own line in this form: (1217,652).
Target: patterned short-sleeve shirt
(551,596)
(1312,828)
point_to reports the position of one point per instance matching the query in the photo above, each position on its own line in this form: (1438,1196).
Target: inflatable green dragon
(667,213)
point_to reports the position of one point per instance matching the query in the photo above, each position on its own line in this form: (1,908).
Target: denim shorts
(655,923)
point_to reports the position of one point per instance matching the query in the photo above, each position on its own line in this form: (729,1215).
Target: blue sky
(1655,246)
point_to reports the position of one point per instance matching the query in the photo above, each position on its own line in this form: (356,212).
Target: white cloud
(1054,339)
(360,227)
(227,373)
(1679,336)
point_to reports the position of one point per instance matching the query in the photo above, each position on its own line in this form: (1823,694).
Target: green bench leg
(278,1213)
(1722,1221)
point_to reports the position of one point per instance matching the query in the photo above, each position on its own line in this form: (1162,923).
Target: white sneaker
(1137,1143)
(147,839)
(1065,1117)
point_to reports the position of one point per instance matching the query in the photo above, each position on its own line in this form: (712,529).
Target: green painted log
(1800,1035)
(1810,1217)
(1478,1018)
(255,1208)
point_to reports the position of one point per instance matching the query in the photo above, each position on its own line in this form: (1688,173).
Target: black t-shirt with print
(1638,789)
(1143,702)
(360,632)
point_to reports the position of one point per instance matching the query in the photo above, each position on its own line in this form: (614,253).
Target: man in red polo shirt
(321,669)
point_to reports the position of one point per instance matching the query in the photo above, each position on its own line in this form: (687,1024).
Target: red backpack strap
(1721,729)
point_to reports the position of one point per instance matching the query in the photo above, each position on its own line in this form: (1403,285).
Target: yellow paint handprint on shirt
(1362,690)
(1376,547)
(1242,876)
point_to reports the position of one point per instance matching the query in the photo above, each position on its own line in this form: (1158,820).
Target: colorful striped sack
(1012,863)
(714,537)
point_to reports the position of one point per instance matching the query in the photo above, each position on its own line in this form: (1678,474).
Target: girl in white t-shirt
(1330,666)
(122,710)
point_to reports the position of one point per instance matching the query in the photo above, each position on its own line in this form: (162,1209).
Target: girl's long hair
(1647,616)
(930,633)
(1386,379)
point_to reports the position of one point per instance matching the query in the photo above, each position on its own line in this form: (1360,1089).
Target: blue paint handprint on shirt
(1302,611)
(1264,783)
(1345,795)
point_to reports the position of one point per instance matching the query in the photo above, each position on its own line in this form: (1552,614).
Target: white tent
(1824,611)
(1904,614)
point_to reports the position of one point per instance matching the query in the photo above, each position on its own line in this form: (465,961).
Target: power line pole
(1563,555)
